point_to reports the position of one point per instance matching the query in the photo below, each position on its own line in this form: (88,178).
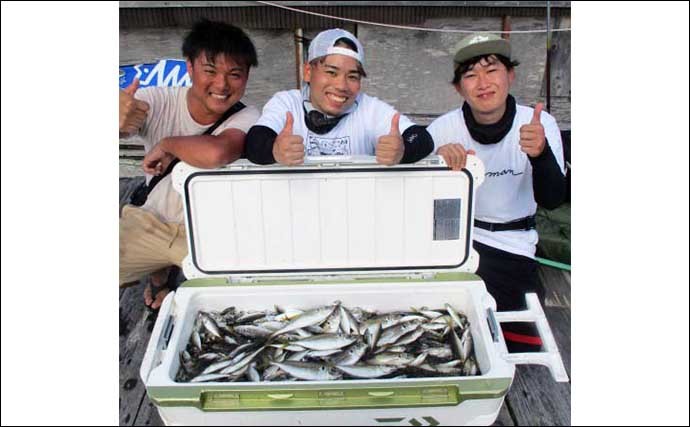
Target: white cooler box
(380,238)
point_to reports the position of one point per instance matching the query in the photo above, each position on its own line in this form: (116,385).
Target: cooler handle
(159,338)
(551,357)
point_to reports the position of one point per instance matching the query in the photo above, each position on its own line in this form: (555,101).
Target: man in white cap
(331,117)
(523,156)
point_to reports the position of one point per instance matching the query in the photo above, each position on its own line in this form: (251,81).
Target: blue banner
(166,72)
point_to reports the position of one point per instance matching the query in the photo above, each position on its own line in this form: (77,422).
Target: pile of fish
(332,342)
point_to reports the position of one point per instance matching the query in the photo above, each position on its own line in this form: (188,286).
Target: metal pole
(548,56)
(299,57)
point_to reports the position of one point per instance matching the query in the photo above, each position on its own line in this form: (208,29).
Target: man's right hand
(288,149)
(455,155)
(132,111)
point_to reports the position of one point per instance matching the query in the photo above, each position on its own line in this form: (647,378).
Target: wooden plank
(557,285)
(535,398)
(148,414)
(135,329)
(504,418)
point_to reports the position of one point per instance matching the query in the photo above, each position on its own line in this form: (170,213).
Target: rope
(405,27)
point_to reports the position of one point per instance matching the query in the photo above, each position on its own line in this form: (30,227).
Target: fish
(305,319)
(210,325)
(309,371)
(330,342)
(350,355)
(367,371)
(326,341)
(391,335)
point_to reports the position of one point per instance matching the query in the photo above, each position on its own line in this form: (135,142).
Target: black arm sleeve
(547,179)
(418,144)
(258,145)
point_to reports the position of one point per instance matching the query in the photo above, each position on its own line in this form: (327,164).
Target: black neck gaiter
(319,123)
(495,132)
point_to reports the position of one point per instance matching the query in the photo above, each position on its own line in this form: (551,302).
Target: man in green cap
(523,157)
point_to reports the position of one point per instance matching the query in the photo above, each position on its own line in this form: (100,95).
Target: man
(175,123)
(522,152)
(330,116)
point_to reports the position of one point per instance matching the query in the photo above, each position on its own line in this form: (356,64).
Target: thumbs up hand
(532,138)
(390,148)
(288,149)
(132,111)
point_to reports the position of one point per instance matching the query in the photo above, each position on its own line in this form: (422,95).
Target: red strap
(525,339)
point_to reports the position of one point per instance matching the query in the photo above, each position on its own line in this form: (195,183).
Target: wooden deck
(534,398)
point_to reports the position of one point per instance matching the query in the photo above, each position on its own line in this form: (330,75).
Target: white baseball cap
(324,44)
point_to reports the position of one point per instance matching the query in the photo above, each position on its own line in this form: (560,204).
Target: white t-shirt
(507,193)
(356,134)
(168,115)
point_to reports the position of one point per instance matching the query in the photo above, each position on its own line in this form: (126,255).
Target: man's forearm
(206,151)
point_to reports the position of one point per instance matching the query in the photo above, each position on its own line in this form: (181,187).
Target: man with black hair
(523,157)
(204,125)
(330,116)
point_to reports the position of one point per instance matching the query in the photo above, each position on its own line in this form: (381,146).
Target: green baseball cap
(481,44)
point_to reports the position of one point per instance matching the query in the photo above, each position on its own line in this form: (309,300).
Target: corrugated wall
(266,17)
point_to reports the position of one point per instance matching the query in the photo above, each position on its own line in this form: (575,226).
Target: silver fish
(455,343)
(326,341)
(419,359)
(439,352)
(253,374)
(196,339)
(287,314)
(252,331)
(318,354)
(209,356)
(229,340)
(250,317)
(410,337)
(309,318)
(350,355)
(309,371)
(429,314)
(373,334)
(391,359)
(367,371)
(210,325)
(332,323)
(391,335)
(215,367)
(469,367)
(244,362)
(465,344)
(288,347)
(208,377)
(457,318)
(240,349)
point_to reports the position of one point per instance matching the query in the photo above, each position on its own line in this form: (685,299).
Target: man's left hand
(390,148)
(157,160)
(532,138)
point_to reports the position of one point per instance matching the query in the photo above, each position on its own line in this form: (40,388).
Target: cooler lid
(330,216)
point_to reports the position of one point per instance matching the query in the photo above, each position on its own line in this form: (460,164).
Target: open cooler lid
(330,216)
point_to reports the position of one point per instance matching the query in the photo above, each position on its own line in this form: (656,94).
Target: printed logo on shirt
(319,146)
(501,173)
